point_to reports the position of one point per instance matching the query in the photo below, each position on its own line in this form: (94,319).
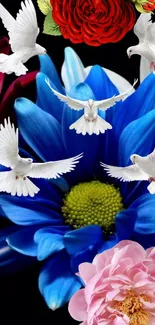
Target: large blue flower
(45,135)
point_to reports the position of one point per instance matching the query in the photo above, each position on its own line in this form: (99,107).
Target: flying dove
(16,181)
(23,33)
(142,169)
(90,122)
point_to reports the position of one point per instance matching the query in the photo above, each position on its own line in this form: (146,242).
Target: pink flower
(119,287)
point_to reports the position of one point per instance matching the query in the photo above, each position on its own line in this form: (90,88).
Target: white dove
(23,33)
(15,181)
(145,31)
(143,169)
(90,122)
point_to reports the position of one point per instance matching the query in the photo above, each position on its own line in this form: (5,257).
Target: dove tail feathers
(151,188)
(19,187)
(82,125)
(8,65)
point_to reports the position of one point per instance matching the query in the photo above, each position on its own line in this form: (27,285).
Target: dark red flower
(4,48)
(16,89)
(93,21)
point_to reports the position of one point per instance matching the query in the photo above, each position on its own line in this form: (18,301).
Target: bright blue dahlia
(64,229)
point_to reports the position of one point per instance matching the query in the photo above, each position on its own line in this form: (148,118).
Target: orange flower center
(133,308)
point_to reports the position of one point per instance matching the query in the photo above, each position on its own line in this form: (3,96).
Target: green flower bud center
(92,203)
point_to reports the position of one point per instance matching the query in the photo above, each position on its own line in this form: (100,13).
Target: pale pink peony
(119,287)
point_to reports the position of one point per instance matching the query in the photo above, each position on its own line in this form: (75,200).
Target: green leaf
(44,6)
(50,27)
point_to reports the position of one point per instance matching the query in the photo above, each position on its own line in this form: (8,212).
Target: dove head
(134,158)
(27,161)
(131,51)
(40,50)
(90,103)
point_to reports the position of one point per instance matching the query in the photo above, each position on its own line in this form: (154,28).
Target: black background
(21,302)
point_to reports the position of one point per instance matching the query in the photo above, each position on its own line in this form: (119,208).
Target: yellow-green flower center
(92,203)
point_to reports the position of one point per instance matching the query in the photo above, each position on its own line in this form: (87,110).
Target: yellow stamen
(133,308)
(92,203)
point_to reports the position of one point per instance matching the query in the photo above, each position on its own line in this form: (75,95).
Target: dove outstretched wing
(125,174)
(107,103)
(150,35)
(141,26)
(151,156)
(24,30)
(72,103)
(54,169)
(8,21)
(8,144)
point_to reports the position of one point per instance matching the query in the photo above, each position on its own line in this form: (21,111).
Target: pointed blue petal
(76,143)
(22,240)
(100,83)
(46,98)
(145,224)
(49,242)
(80,239)
(27,211)
(72,72)
(103,88)
(40,130)
(85,256)
(57,283)
(125,223)
(48,68)
(137,137)
(135,106)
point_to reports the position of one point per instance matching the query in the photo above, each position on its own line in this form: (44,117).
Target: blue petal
(56,281)
(72,70)
(135,106)
(80,239)
(40,130)
(10,260)
(85,256)
(125,223)
(103,88)
(111,242)
(76,143)
(100,83)
(27,211)
(137,137)
(46,98)
(49,242)
(22,240)
(145,224)
(48,68)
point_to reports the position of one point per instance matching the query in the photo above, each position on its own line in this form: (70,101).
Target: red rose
(93,21)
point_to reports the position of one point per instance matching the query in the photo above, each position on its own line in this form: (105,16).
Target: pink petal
(87,271)
(111,295)
(77,306)
(120,321)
